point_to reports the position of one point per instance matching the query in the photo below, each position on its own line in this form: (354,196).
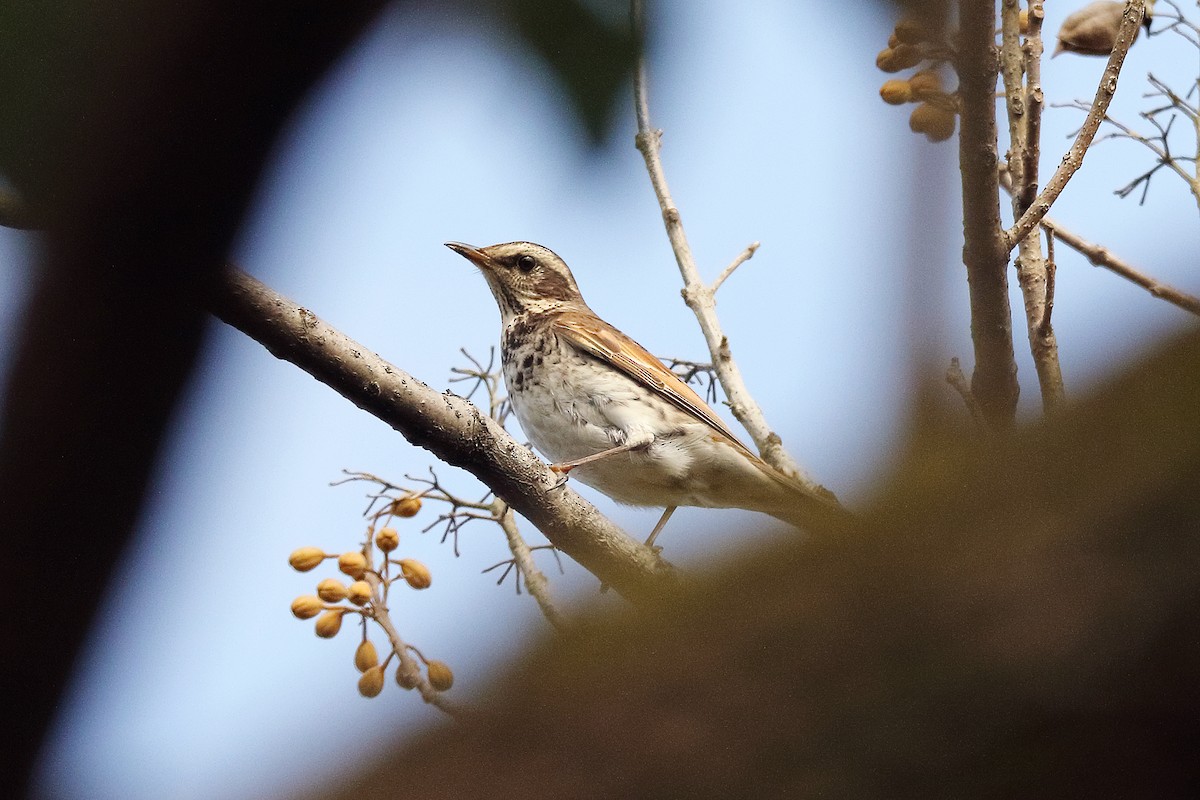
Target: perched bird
(602,408)
(1092,30)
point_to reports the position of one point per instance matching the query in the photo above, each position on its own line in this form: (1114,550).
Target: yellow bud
(359,593)
(329,623)
(893,40)
(387,540)
(371,682)
(936,122)
(365,656)
(415,573)
(909,31)
(440,676)
(902,56)
(331,590)
(895,92)
(306,606)
(407,506)
(1023,21)
(353,564)
(406,680)
(306,558)
(926,84)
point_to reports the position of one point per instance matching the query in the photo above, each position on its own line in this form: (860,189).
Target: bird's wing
(601,340)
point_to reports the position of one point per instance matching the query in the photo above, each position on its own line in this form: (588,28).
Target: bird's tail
(808,507)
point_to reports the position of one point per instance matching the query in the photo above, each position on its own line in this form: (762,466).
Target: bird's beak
(472,254)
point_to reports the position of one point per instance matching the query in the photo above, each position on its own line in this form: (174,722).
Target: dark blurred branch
(448,426)
(994,381)
(14,213)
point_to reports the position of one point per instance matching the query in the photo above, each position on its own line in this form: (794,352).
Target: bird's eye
(526,263)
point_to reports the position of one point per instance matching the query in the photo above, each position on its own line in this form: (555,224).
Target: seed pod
(909,31)
(926,84)
(353,564)
(359,593)
(371,682)
(895,93)
(387,540)
(406,506)
(329,623)
(935,122)
(440,676)
(365,656)
(415,573)
(331,590)
(306,558)
(306,606)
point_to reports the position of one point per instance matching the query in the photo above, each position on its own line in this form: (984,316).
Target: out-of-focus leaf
(590,50)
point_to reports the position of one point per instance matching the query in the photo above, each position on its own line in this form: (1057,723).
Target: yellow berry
(359,593)
(331,590)
(407,506)
(895,92)
(306,558)
(926,84)
(902,56)
(353,564)
(329,623)
(365,656)
(909,31)
(1023,21)
(936,122)
(371,682)
(415,573)
(440,676)
(306,606)
(387,539)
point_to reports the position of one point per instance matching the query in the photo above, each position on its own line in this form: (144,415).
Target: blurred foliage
(1018,620)
(590,48)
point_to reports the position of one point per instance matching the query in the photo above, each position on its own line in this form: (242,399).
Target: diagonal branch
(1071,162)
(448,426)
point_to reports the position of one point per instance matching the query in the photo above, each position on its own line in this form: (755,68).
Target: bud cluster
(914,43)
(367,575)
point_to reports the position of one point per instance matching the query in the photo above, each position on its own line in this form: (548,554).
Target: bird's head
(523,276)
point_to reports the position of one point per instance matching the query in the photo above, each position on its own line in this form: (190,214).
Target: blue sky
(199,684)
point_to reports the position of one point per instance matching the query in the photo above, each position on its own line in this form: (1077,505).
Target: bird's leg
(563,467)
(662,522)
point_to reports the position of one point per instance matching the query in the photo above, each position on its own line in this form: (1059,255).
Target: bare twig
(450,427)
(741,258)
(699,296)
(1051,271)
(1071,162)
(535,579)
(956,378)
(1023,93)
(994,381)
(1103,257)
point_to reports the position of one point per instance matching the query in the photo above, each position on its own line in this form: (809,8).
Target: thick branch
(994,381)
(1074,158)
(700,298)
(448,426)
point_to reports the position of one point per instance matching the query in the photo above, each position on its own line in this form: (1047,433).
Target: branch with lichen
(699,296)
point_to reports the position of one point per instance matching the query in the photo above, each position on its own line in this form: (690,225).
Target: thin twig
(1071,162)
(535,579)
(1051,272)
(742,258)
(956,378)
(1101,256)
(698,296)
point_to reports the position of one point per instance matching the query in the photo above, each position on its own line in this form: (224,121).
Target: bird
(610,414)
(1092,30)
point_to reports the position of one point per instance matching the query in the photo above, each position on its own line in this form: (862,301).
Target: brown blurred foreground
(1019,621)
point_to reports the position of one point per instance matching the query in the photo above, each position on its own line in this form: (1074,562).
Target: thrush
(613,416)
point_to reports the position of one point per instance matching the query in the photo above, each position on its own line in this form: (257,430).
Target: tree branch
(700,298)
(448,426)
(1074,158)
(535,579)
(994,381)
